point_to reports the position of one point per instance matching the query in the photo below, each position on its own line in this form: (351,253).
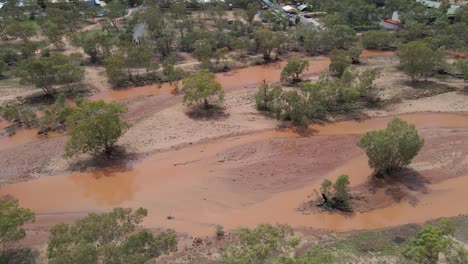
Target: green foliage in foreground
(108,238)
(11,219)
(95,127)
(260,245)
(427,245)
(392,148)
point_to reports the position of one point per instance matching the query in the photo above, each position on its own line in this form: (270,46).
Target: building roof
(434,4)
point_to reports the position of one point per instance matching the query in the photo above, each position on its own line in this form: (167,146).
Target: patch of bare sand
(447,102)
(172,126)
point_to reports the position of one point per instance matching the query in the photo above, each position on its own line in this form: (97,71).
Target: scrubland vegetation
(61,56)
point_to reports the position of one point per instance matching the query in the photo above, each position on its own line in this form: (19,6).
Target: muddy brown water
(191,185)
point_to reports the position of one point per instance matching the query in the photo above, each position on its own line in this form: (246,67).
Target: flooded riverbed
(195,184)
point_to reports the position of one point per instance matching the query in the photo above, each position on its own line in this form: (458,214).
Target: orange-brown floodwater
(233,79)
(192,185)
(25,136)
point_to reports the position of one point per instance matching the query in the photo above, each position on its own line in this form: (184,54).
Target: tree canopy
(112,237)
(392,148)
(200,87)
(12,218)
(95,127)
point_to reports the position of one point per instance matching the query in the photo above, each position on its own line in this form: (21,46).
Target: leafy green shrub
(260,245)
(392,148)
(418,59)
(267,97)
(95,127)
(340,61)
(293,69)
(378,40)
(112,237)
(335,195)
(429,243)
(12,217)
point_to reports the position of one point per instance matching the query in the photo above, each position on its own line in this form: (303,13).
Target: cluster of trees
(49,72)
(52,118)
(316,100)
(95,126)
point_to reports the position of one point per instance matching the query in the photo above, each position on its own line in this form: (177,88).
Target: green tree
(335,195)
(95,127)
(260,245)
(12,218)
(203,52)
(3,66)
(96,44)
(200,87)
(115,10)
(174,75)
(115,65)
(54,117)
(48,72)
(462,66)
(248,14)
(113,237)
(417,59)
(378,39)
(268,40)
(268,96)
(392,148)
(22,30)
(17,112)
(294,68)
(54,34)
(432,241)
(340,61)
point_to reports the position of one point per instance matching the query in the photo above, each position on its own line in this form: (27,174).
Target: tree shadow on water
(118,161)
(400,184)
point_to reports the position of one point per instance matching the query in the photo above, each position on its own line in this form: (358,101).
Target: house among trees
(394,23)
(452,9)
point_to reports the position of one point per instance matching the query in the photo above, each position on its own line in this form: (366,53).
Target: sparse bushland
(392,148)
(12,218)
(95,127)
(316,100)
(335,196)
(113,237)
(200,87)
